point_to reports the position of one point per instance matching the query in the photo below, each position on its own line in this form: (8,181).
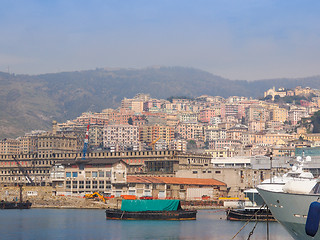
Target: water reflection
(91,224)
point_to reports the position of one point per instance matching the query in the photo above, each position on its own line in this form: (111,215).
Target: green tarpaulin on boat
(150,205)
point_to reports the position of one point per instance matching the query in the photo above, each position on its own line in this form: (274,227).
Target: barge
(249,214)
(151,210)
(15,205)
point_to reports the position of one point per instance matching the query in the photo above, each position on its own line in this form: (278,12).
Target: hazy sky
(240,39)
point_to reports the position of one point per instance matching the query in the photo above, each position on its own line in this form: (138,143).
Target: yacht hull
(291,210)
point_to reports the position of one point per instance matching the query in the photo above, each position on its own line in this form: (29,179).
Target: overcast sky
(240,39)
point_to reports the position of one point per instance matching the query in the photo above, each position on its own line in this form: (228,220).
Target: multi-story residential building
(256,126)
(135,104)
(271,138)
(221,153)
(188,117)
(9,146)
(256,113)
(28,144)
(172,120)
(295,115)
(236,99)
(152,105)
(179,145)
(148,134)
(248,138)
(52,143)
(120,117)
(224,144)
(235,133)
(96,136)
(229,110)
(274,125)
(205,115)
(93,118)
(124,136)
(279,114)
(190,131)
(299,91)
(214,133)
(215,121)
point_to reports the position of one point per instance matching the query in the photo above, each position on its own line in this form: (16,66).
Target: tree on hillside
(315,120)
(191,144)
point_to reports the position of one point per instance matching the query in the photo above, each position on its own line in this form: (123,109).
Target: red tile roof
(175,180)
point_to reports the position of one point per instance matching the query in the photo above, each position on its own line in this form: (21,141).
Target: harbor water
(92,224)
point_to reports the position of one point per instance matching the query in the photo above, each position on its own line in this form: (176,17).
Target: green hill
(32,102)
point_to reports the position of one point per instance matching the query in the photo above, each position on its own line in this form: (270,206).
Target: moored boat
(15,205)
(249,214)
(151,210)
(292,206)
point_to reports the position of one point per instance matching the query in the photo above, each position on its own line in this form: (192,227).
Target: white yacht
(291,207)
(289,201)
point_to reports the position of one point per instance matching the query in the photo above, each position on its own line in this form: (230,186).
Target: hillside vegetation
(32,102)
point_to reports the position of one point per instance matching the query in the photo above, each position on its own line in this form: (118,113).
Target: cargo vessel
(151,210)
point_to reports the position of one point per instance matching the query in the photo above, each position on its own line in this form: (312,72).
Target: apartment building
(28,144)
(96,135)
(125,136)
(190,131)
(9,146)
(148,134)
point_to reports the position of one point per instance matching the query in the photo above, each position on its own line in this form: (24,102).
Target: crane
(23,171)
(153,143)
(85,146)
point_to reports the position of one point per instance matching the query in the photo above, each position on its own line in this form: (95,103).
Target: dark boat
(15,205)
(249,214)
(151,210)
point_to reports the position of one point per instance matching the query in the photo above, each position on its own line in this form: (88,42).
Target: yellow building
(223,153)
(148,134)
(279,114)
(271,138)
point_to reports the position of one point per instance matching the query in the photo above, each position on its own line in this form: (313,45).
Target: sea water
(92,224)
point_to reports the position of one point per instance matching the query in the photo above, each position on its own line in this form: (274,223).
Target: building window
(81,184)
(147,193)
(94,174)
(74,184)
(94,184)
(101,184)
(88,184)
(218,172)
(68,184)
(194,172)
(74,174)
(101,174)
(68,174)
(88,174)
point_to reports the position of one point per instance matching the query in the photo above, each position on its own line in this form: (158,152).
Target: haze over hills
(32,102)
